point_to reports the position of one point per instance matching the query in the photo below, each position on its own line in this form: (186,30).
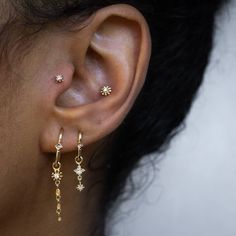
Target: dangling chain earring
(57,174)
(78,160)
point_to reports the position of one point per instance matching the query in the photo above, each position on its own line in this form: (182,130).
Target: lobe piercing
(57,174)
(106,90)
(78,160)
(59,78)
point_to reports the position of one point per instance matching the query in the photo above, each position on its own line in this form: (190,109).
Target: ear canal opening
(85,87)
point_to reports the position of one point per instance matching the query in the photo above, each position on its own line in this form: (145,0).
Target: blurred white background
(194,191)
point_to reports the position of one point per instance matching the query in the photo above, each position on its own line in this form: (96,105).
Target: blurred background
(193,191)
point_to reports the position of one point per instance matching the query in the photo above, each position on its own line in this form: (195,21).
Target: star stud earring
(106,90)
(59,79)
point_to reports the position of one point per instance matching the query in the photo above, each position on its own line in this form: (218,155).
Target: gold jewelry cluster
(57,173)
(79,170)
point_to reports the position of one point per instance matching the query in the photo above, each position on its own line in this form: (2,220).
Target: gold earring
(57,174)
(59,79)
(106,90)
(78,160)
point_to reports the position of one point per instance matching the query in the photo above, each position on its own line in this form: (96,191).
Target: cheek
(20,159)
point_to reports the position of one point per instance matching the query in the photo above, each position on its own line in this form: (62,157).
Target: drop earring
(78,160)
(57,174)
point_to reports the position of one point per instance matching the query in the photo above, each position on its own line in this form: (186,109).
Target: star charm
(106,90)
(80,187)
(59,78)
(57,176)
(79,170)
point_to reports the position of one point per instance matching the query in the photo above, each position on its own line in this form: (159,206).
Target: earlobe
(113,50)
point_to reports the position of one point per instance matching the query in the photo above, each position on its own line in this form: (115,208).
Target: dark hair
(182,39)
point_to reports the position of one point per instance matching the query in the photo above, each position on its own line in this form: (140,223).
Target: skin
(113,49)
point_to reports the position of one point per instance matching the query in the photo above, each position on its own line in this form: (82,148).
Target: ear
(112,49)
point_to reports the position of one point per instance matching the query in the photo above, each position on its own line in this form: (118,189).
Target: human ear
(112,49)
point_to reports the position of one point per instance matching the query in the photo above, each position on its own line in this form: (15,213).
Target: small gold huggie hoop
(57,174)
(78,160)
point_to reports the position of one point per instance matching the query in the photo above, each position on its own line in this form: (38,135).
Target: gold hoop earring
(57,174)
(78,160)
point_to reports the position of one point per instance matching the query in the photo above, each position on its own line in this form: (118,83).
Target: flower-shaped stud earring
(106,90)
(59,79)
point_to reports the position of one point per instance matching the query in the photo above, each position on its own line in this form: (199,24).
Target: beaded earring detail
(78,160)
(57,174)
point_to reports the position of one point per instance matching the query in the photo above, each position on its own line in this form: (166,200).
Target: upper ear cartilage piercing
(106,90)
(59,78)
